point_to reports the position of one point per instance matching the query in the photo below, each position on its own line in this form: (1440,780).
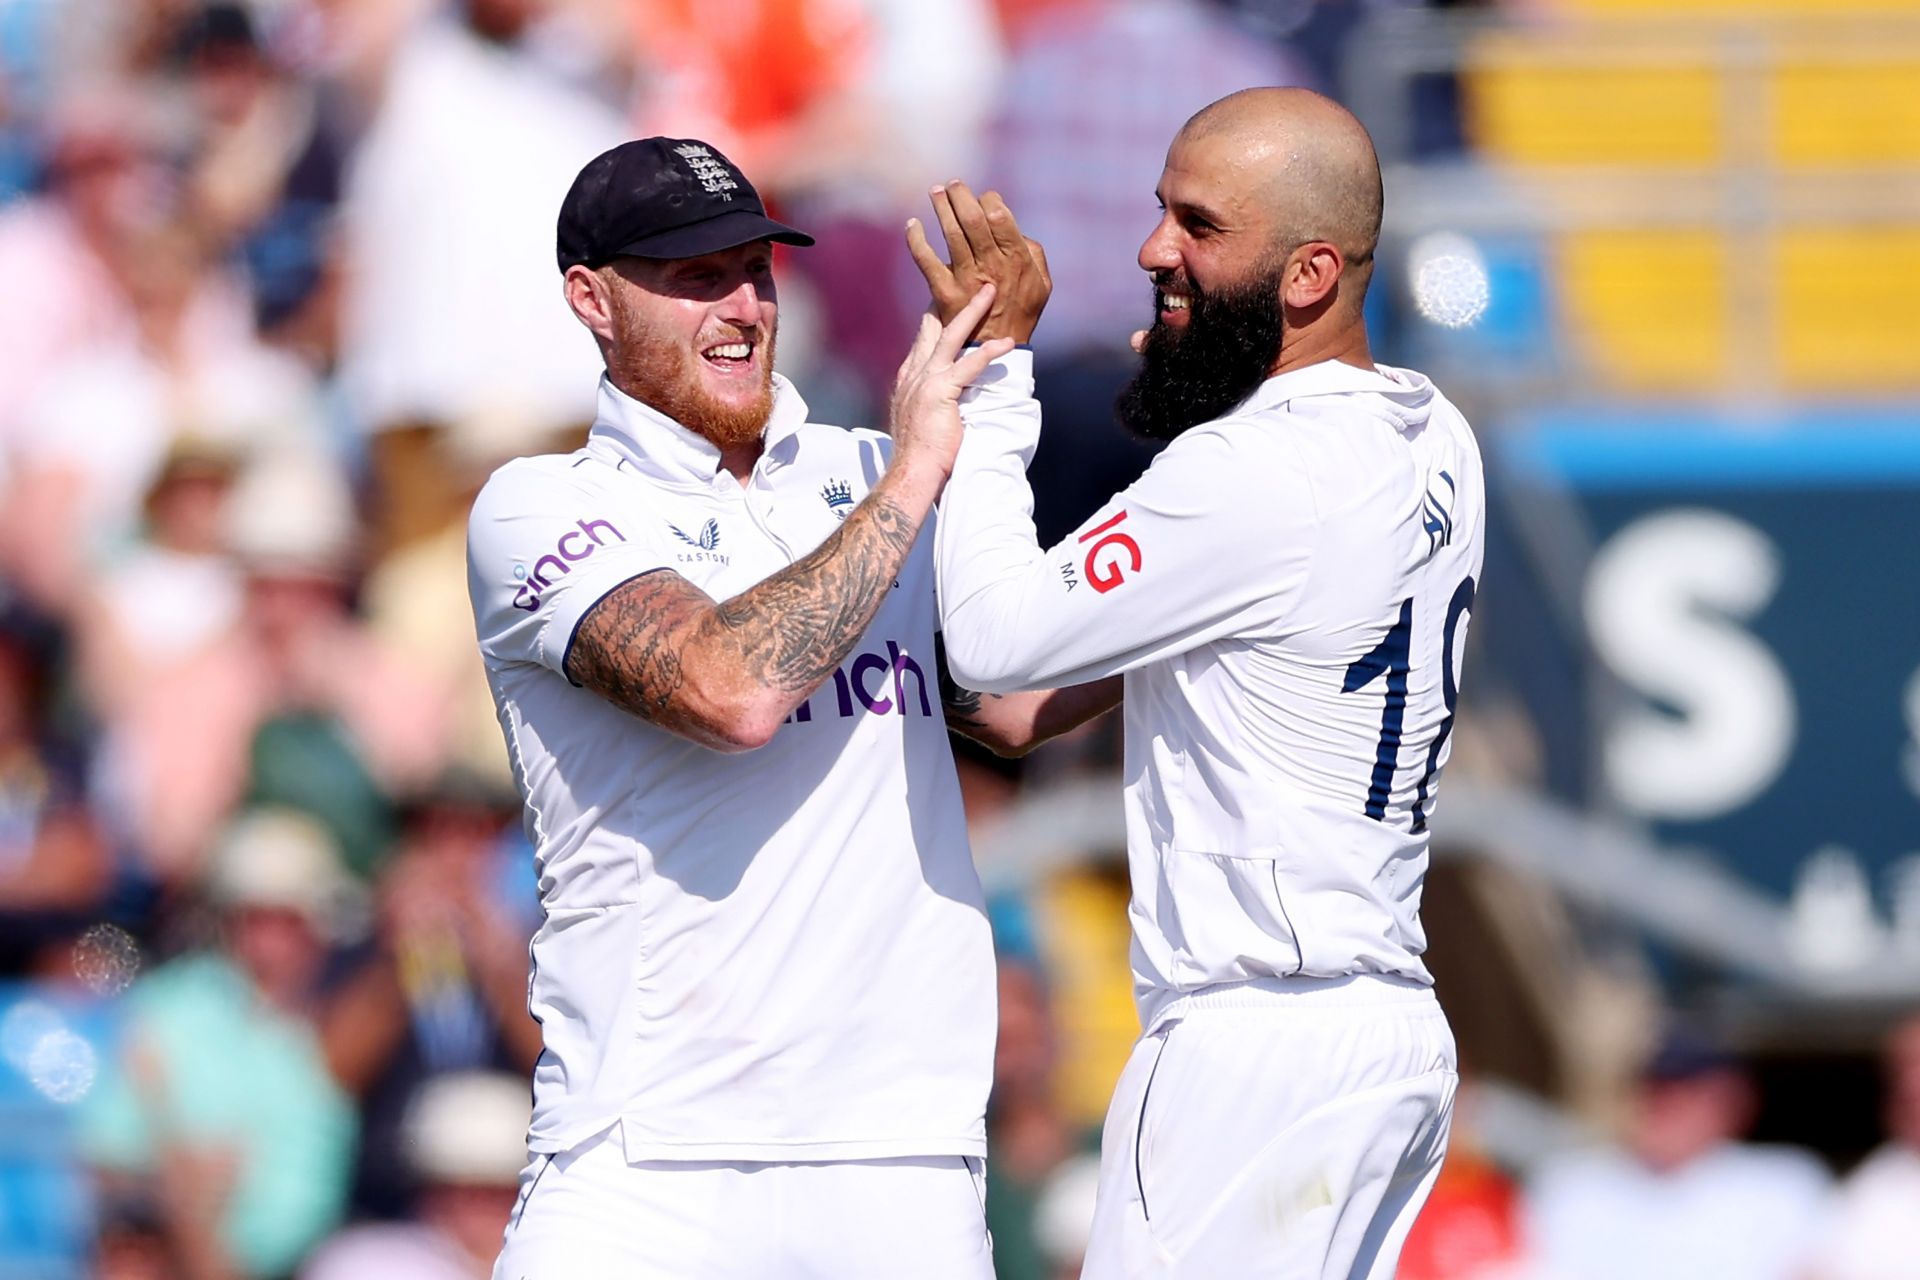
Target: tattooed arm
(1012,724)
(726,674)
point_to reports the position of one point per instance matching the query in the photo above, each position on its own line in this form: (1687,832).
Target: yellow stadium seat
(1665,103)
(1539,109)
(1848,322)
(1847,111)
(1646,310)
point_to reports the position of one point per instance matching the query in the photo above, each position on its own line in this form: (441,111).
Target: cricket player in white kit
(764,977)
(1287,591)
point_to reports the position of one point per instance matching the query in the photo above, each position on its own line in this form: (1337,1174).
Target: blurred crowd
(276,293)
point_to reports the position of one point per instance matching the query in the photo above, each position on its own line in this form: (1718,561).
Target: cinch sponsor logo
(873,683)
(575,545)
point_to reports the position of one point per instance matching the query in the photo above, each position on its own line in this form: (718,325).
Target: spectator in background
(465,1147)
(771,87)
(1876,1227)
(221,1111)
(415,599)
(444,986)
(1027,1131)
(63,252)
(934,82)
(449,306)
(1683,1197)
(298,703)
(844,110)
(54,863)
(1094,88)
(251,121)
(173,593)
(91,441)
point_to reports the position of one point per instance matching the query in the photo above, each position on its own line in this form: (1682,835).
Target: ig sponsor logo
(575,545)
(1103,562)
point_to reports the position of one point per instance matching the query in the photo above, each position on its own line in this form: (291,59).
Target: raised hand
(925,413)
(984,246)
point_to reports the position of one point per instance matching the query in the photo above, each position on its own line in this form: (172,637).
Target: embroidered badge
(708,170)
(708,540)
(839,497)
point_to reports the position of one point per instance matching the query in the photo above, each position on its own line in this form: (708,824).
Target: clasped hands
(984,246)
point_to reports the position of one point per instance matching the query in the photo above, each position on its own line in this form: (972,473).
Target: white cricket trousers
(1283,1129)
(588,1214)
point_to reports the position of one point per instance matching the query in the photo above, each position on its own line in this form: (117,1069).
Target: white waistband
(1347,991)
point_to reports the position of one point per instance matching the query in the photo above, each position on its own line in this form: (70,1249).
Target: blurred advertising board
(1746,629)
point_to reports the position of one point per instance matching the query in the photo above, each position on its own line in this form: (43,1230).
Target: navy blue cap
(662,198)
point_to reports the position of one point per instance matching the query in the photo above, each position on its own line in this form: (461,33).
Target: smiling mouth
(1170,300)
(730,357)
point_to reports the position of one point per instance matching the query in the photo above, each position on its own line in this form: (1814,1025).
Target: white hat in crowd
(469,1128)
(281,858)
(292,512)
(1063,1218)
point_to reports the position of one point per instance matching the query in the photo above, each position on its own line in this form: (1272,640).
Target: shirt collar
(1328,378)
(660,447)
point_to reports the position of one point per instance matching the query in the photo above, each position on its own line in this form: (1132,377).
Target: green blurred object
(227,1072)
(307,762)
(1010,1213)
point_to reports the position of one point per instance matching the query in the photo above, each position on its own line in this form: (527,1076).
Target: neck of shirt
(664,450)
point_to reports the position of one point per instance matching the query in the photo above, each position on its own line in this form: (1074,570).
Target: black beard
(1227,348)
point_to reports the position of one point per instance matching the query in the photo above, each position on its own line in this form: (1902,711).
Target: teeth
(732,351)
(1176,301)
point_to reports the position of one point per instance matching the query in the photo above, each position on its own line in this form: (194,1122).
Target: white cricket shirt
(775,955)
(1287,590)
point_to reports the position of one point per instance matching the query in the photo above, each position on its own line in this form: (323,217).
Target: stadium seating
(1756,179)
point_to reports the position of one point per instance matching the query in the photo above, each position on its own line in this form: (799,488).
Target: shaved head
(1310,160)
(1269,216)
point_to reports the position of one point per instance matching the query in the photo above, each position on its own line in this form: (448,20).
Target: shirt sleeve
(1215,539)
(544,547)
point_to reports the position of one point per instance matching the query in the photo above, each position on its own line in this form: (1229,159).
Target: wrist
(916,476)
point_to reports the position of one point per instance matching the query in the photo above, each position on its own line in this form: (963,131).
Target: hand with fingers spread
(925,413)
(984,246)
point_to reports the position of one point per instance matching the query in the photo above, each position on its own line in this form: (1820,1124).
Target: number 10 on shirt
(1392,658)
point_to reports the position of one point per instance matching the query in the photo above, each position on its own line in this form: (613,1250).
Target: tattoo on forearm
(787,633)
(794,628)
(628,646)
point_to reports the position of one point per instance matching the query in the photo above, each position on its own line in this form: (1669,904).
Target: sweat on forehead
(1312,157)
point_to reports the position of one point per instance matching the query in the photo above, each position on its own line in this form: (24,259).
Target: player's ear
(1311,273)
(590,297)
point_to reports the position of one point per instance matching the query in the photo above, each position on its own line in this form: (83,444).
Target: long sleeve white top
(1286,590)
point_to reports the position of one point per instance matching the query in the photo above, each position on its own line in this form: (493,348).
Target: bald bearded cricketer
(1286,591)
